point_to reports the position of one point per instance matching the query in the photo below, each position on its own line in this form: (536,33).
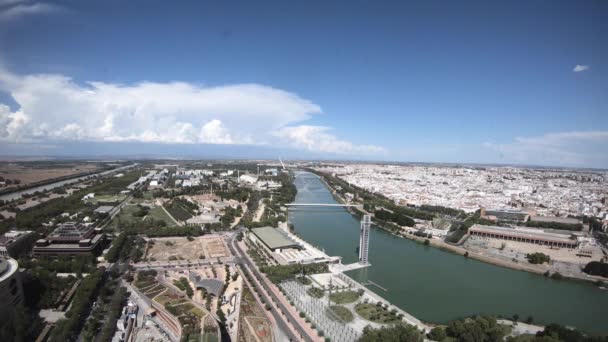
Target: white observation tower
(364,239)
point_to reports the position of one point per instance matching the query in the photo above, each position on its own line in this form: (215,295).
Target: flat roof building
(529,235)
(509,215)
(70,238)
(16,242)
(274,239)
(211,285)
(104,209)
(555,219)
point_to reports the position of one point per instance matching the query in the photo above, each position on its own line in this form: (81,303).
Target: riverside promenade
(338,269)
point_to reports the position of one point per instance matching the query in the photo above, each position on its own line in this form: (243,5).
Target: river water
(437,286)
(42,188)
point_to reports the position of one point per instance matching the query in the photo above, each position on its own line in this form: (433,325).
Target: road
(236,250)
(184,264)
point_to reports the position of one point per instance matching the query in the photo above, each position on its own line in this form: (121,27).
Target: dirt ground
(162,249)
(29,175)
(214,247)
(208,246)
(558,254)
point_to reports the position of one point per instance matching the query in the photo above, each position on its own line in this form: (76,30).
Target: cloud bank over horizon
(576,148)
(53,111)
(54,107)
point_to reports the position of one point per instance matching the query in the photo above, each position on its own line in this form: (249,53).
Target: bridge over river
(438,286)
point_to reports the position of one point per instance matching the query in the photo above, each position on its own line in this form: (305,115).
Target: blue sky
(471,81)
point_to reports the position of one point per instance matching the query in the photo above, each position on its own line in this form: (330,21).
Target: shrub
(597,268)
(437,334)
(538,258)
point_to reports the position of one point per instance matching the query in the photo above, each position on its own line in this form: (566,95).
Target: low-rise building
(15,243)
(555,219)
(529,235)
(104,209)
(273,239)
(504,215)
(70,238)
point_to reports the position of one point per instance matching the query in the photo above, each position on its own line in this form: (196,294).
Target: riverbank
(456,249)
(8,191)
(55,183)
(437,285)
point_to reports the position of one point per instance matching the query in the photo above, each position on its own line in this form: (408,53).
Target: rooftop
(12,236)
(565,220)
(529,233)
(273,238)
(211,285)
(71,231)
(104,209)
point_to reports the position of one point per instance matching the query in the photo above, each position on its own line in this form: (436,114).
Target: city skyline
(516,83)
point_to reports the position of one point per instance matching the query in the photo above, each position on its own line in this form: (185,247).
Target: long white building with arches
(529,235)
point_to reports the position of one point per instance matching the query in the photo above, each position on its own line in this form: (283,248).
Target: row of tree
(278,273)
(555,225)
(475,329)
(398,218)
(68,328)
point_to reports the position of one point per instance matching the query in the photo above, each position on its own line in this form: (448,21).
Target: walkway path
(260,211)
(297,329)
(160,203)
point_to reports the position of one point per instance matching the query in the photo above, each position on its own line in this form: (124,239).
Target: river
(42,188)
(437,286)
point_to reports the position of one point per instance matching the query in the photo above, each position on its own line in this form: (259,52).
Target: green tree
(437,334)
(396,333)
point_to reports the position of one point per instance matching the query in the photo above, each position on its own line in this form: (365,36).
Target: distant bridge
(323,205)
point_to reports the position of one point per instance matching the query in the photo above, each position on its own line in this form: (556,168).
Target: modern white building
(248,179)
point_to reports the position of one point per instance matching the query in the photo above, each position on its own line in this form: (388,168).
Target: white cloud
(317,138)
(54,107)
(579,68)
(16,9)
(10,2)
(577,148)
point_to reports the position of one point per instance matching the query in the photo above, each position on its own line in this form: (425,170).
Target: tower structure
(364,239)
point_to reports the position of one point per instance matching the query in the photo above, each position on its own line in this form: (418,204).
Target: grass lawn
(155,292)
(344,297)
(304,280)
(376,313)
(315,292)
(158,213)
(163,299)
(210,337)
(338,312)
(106,199)
(141,284)
(197,312)
(126,215)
